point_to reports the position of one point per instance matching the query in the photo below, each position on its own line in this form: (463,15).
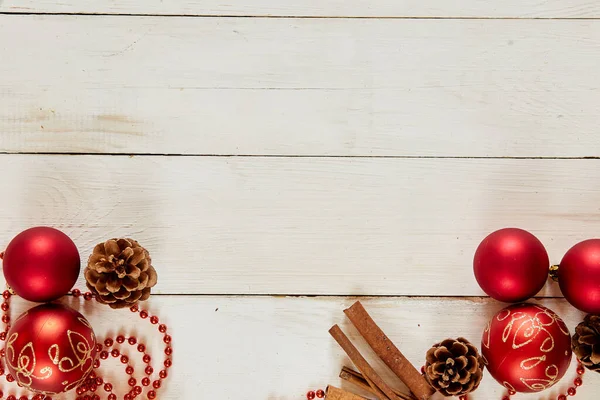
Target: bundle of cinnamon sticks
(366,377)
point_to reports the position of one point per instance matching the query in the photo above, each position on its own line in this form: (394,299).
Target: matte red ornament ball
(41,264)
(511,265)
(50,349)
(579,276)
(527,347)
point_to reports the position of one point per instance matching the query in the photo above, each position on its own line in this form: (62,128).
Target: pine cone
(454,367)
(120,273)
(586,342)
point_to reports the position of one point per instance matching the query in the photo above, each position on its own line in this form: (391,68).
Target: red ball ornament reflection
(511,265)
(527,347)
(41,264)
(50,349)
(579,276)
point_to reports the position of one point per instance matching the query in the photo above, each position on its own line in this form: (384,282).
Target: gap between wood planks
(348,297)
(409,157)
(87,14)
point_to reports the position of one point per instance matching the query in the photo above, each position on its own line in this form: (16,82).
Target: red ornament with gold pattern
(50,349)
(527,347)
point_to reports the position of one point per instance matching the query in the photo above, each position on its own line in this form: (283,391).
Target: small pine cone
(454,367)
(120,273)
(586,342)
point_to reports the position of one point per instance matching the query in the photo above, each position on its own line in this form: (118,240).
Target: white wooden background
(278,158)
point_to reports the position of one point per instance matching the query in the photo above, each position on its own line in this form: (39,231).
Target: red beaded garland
(93,382)
(311,394)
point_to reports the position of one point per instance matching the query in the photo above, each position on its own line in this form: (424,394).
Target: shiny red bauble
(527,347)
(511,265)
(50,349)
(41,264)
(579,276)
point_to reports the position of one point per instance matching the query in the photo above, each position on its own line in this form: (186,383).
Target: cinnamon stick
(381,389)
(388,352)
(357,379)
(334,393)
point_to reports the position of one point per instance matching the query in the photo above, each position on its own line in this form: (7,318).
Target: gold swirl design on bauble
(24,364)
(521,331)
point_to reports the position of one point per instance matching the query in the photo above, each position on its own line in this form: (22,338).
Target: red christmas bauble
(511,265)
(41,264)
(50,349)
(579,276)
(527,347)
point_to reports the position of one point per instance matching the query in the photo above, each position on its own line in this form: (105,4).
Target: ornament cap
(553,272)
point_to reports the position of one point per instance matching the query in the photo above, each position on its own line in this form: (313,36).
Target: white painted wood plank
(299,87)
(303,225)
(230,348)
(323,8)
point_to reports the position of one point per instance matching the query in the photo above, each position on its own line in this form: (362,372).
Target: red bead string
(151,382)
(315,393)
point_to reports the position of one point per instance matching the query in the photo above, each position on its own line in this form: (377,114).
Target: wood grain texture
(319,8)
(231,86)
(303,225)
(250,348)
